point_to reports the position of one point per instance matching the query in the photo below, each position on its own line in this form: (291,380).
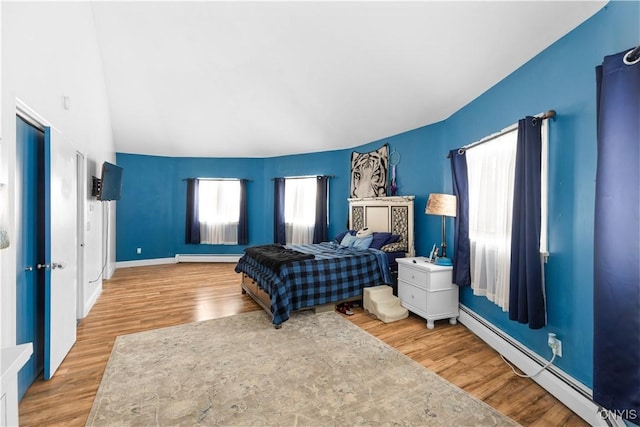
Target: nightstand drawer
(413,275)
(443,303)
(440,280)
(412,295)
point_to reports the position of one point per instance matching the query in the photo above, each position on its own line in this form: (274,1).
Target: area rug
(317,370)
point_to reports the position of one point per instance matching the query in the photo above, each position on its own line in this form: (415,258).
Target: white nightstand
(426,289)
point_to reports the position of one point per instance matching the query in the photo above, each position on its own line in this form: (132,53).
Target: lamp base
(443,261)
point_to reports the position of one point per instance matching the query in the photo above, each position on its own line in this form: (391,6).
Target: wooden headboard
(391,214)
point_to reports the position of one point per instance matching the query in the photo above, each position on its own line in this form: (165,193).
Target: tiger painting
(369,173)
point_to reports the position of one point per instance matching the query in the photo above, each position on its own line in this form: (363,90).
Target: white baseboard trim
(179,258)
(111,268)
(88,305)
(565,388)
(145,262)
(207,258)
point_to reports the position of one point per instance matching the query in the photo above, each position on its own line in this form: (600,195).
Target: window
(491,169)
(219,211)
(300,209)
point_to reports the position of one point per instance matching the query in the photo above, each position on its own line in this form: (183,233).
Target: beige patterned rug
(239,371)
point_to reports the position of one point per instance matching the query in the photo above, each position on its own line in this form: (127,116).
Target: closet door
(60,250)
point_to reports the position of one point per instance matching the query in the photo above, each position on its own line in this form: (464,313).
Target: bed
(283,279)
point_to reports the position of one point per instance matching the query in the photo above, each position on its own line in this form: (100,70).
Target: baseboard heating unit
(207,258)
(145,262)
(573,394)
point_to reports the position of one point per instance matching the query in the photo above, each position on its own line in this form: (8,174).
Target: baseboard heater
(207,258)
(573,394)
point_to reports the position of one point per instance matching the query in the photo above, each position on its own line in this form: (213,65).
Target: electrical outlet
(558,348)
(555,344)
(138,251)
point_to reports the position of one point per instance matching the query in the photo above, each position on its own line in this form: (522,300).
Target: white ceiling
(262,79)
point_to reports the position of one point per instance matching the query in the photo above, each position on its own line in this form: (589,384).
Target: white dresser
(426,289)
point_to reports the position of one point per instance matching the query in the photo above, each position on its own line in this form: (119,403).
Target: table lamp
(445,205)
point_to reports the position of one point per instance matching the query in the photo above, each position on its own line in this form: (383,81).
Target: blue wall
(562,77)
(151,213)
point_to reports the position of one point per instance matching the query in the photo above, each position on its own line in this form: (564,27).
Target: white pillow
(364,232)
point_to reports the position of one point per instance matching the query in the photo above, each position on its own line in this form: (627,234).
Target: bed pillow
(380,238)
(348,240)
(363,242)
(364,232)
(394,238)
(340,236)
(395,247)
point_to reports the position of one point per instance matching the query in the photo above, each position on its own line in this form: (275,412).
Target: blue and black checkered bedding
(335,273)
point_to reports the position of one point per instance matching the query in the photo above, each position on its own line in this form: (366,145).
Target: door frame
(81,201)
(30,289)
(30,116)
(36,120)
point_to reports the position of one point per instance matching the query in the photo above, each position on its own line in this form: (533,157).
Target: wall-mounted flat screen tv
(110,182)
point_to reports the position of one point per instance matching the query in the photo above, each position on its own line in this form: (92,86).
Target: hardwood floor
(143,298)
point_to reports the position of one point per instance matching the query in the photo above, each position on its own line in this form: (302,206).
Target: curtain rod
(551,114)
(632,56)
(303,177)
(219,179)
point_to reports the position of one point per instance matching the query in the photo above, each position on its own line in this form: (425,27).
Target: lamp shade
(441,204)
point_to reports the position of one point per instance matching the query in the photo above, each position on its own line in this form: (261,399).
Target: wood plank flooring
(144,298)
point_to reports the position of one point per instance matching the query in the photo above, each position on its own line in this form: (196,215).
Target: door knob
(28,268)
(43,266)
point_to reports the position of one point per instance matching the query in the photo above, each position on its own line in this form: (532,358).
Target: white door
(60,250)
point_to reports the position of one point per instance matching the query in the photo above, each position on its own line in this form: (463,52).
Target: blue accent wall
(151,213)
(143,214)
(562,78)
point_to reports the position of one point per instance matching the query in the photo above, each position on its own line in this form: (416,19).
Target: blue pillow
(393,239)
(348,240)
(363,242)
(380,239)
(340,236)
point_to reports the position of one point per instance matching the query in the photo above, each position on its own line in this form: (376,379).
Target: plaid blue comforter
(334,274)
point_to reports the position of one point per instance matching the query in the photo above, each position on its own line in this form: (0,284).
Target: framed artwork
(369,173)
